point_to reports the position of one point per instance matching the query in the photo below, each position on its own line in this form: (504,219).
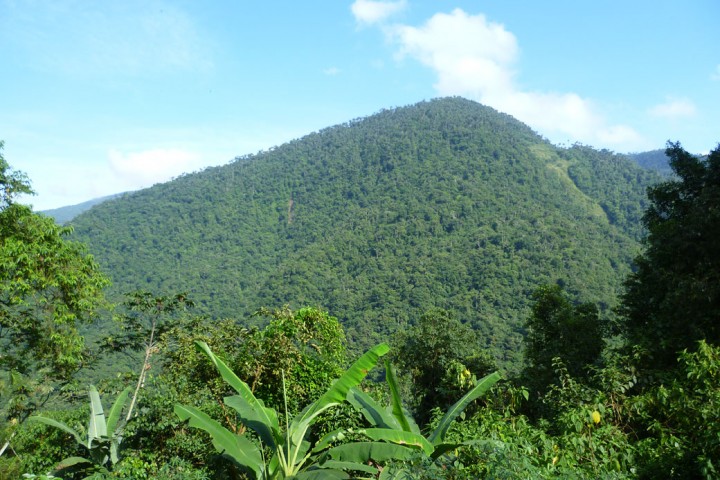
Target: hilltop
(445,203)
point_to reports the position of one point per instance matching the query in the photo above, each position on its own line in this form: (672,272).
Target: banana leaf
(443,448)
(336,435)
(321,474)
(60,425)
(400,437)
(358,467)
(361,452)
(376,414)
(393,474)
(116,410)
(252,410)
(237,447)
(405,421)
(79,464)
(112,420)
(337,393)
(482,386)
(97,428)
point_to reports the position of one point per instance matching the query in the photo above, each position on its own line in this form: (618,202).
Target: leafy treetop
(673,299)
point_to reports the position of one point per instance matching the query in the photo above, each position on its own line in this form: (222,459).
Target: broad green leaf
(273,466)
(60,425)
(113,417)
(334,436)
(361,452)
(482,386)
(358,467)
(371,410)
(262,419)
(392,474)
(443,448)
(97,428)
(400,437)
(116,410)
(321,474)
(337,393)
(73,462)
(398,411)
(237,447)
(255,418)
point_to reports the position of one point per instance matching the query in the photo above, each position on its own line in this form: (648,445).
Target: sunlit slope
(444,203)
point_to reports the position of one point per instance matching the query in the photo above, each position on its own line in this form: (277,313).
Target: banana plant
(290,454)
(104,435)
(395,426)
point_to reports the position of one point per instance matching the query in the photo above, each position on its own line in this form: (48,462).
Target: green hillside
(63,215)
(653,160)
(445,203)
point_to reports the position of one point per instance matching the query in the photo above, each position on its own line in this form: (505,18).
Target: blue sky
(99,97)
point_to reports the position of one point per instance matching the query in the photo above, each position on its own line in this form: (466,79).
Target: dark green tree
(49,285)
(672,300)
(443,357)
(12,182)
(559,328)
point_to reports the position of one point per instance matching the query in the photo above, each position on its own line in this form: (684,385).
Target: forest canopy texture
(444,204)
(490,320)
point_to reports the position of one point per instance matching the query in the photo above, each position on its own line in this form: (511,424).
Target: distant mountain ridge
(445,203)
(653,160)
(67,213)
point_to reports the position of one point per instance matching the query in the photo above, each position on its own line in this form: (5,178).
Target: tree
(12,182)
(557,328)
(672,300)
(308,345)
(298,352)
(441,355)
(48,286)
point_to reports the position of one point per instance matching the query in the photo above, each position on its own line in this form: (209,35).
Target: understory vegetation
(632,392)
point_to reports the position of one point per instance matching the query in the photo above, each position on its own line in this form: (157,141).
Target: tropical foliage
(673,299)
(104,436)
(49,287)
(599,393)
(290,453)
(444,204)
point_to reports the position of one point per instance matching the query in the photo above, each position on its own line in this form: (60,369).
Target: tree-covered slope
(653,160)
(444,203)
(64,214)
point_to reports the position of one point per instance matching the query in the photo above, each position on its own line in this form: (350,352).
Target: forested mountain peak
(445,203)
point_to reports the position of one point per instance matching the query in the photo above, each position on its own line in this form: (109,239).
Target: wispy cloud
(117,38)
(368,12)
(674,108)
(477,58)
(144,168)
(715,75)
(331,71)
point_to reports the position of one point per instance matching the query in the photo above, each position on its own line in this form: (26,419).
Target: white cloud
(476,58)
(674,108)
(331,71)
(369,11)
(147,167)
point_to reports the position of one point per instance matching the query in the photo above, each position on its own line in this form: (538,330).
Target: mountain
(653,160)
(445,203)
(65,214)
